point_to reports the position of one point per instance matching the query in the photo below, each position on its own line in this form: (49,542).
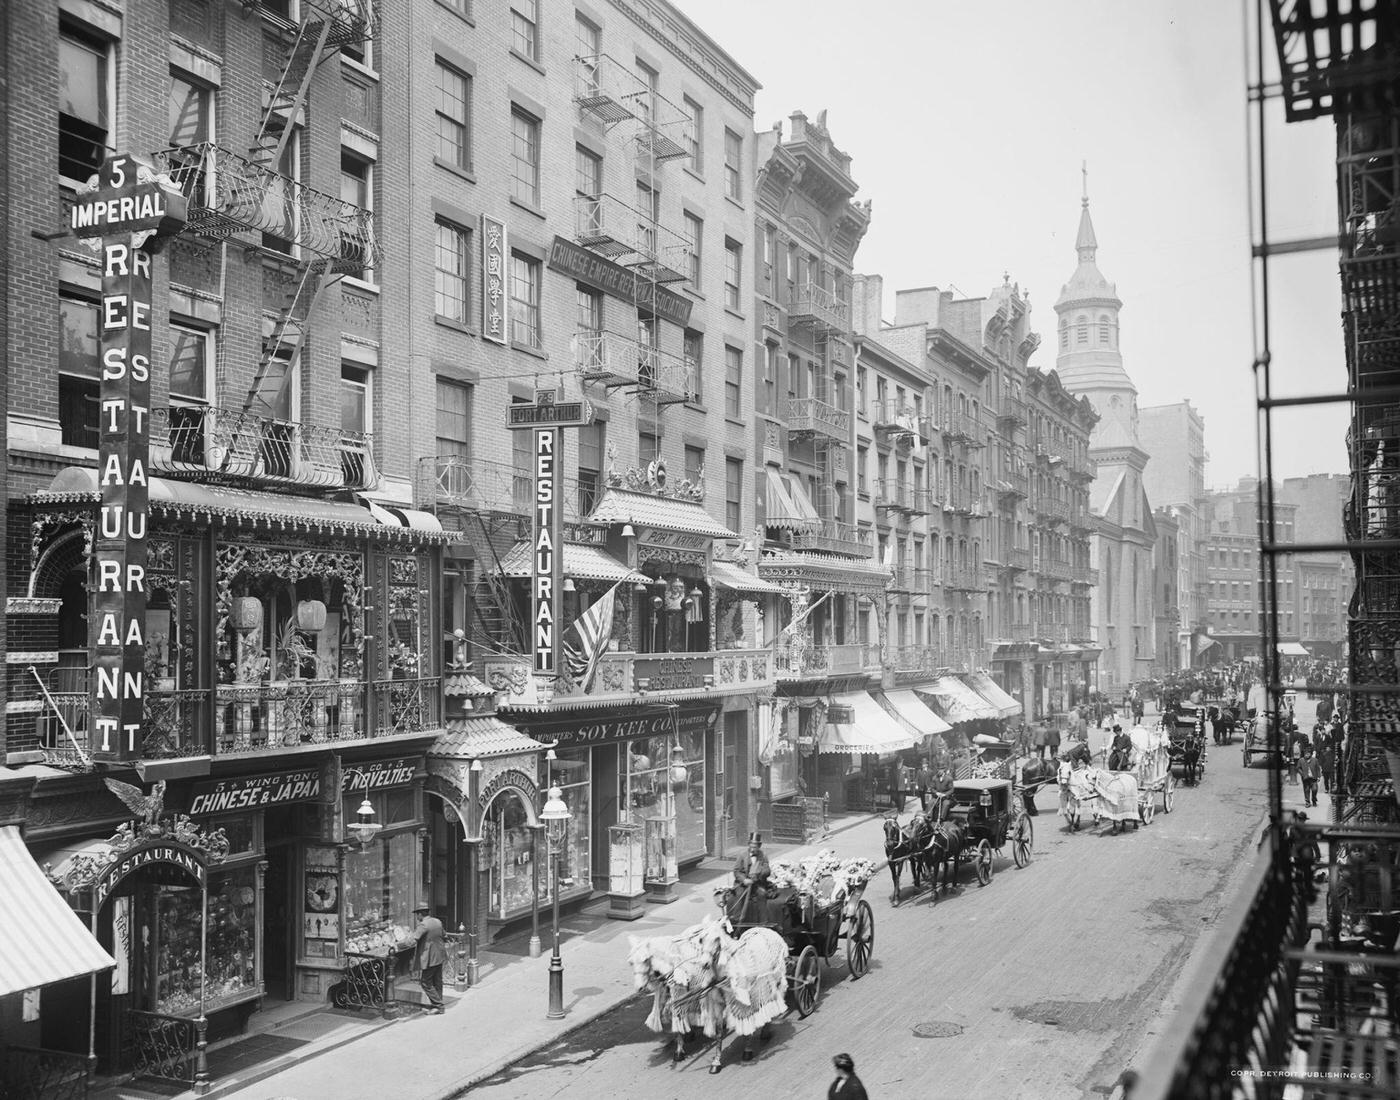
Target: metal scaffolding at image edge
(1299,992)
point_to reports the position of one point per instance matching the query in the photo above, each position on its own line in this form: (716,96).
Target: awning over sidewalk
(921,718)
(781,508)
(581,561)
(43,941)
(1292,649)
(957,702)
(730,576)
(869,730)
(985,686)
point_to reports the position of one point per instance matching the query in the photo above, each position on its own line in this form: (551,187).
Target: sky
(968,122)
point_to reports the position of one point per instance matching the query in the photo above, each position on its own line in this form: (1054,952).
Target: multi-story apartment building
(1321,500)
(1168,574)
(1175,438)
(1233,574)
(449,207)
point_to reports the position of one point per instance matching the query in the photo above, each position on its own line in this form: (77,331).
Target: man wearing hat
(430,955)
(751,875)
(847,1085)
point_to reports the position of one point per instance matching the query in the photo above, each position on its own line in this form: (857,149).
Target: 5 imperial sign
(130,208)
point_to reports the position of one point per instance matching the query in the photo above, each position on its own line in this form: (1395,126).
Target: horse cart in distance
(1256,741)
(987,812)
(1188,745)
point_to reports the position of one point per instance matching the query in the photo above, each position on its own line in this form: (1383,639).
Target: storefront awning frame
(957,702)
(985,686)
(732,577)
(871,731)
(44,940)
(921,718)
(581,561)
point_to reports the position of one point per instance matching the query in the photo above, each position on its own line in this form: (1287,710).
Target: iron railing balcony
(1084,574)
(814,416)
(836,537)
(1058,511)
(818,307)
(1018,560)
(1013,411)
(616,361)
(607,89)
(892,494)
(963,578)
(350,20)
(228,194)
(1055,569)
(918,658)
(466,484)
(1014,487)
(958,501)
(800,662)
(1330,47)
(1082,468)
(903,579)
(1020,632)
(218,444)
(963,429)
(1051,632)
(608,226)
(920,502)
(925,581)
(892,415)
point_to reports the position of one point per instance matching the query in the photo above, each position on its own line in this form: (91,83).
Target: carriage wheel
(1147,809)
(806,981)
(860,940)
(1168,793)
(1022,841)
(984,863)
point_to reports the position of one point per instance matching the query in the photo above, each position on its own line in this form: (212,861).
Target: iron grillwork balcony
(1020,632)
(892,494)
(918,658)
(1018,560)
(608,226)
(1084,574)
(837,537)
(607,89)
(1013,411)
(1057,511)
(217,444)
(1055,569)
(963,578)
(1052,632)
(920,502)
(1330,47)
(965,430)
(818,307)
(893,415)
(958,502)
(229,194)
(1082,468)
(613,361)
(466,484)
(1014,487)
(903,579)
(925,580)
(813,416)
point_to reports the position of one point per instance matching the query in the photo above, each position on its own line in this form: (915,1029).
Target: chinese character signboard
(493,280)
(129,208)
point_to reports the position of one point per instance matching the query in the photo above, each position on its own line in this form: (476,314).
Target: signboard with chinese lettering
(621,282)
(494,319)
(130,208)
(547,564)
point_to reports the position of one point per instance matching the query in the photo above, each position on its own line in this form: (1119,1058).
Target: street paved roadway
(1054,977)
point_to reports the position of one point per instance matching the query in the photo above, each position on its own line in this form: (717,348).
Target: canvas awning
(870,728)
(44,940)
(735,579)
(663,513)
(784,502)
(1292,649)
(187,499)
(957,702)
(985,686)
(921,718)
(581,561)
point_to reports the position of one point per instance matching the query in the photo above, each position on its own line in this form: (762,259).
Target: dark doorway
(277,922)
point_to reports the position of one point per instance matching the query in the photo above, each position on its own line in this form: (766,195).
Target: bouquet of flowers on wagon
(825,877)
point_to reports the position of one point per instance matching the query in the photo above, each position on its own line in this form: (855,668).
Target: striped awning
(732,577)
(787,506)
(43,940)
(921,718)
(581,561)
(956,701)
(870,730)
(986,687)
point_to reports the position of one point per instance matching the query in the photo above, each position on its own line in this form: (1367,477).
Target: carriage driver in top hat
(751,876)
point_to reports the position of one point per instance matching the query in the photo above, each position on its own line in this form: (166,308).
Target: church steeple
(1086,244)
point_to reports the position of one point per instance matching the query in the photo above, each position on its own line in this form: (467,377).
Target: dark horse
(944,850)
(1193,747)
(905,845)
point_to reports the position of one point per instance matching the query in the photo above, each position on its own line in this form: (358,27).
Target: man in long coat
(751,879)
(431,954)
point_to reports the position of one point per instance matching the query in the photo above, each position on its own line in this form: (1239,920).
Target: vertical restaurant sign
(547,566)
(126,205)
(493,280)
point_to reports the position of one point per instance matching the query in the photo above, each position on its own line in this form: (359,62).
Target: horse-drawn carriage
(1188,744)
(1256,740)
(1223,717)
(737,975)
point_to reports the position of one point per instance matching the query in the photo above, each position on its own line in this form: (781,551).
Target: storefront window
(379,894)
(174,946)
(665,789)
(507,855)
(687,776)
(239,831)
(573,777)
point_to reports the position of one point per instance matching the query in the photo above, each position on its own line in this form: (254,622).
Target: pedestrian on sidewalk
(431,954)
(1052,739)
(1308,769)
(923,782)
(847,1085)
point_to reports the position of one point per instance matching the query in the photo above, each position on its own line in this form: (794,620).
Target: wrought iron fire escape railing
(1303,993)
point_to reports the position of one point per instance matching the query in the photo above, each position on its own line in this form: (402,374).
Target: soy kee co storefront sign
(131,210)
(255,792)
(686,720)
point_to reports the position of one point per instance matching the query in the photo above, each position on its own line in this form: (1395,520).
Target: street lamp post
(555,816)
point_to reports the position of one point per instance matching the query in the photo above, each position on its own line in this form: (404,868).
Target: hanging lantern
(311,616)
(680,774)
(247,613)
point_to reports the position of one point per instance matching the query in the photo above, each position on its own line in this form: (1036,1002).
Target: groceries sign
(130,209)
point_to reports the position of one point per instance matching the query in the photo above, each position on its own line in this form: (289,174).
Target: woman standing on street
(847,1085)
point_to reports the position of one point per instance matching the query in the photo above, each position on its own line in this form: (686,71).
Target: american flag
(594,628)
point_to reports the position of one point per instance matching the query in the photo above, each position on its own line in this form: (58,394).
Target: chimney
(868,292)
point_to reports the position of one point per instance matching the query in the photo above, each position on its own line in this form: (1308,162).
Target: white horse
(1111,795)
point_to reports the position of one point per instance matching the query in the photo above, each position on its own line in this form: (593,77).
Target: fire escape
(634,236)
(1309,982)
(314,238)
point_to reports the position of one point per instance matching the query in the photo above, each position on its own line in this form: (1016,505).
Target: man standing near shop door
(431,954)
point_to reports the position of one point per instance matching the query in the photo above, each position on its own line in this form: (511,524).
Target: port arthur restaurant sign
(130,210)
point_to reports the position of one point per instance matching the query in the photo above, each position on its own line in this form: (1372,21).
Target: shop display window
(172,943)
(242,840)
(576,859)
(379,893)
(664,789)
(507,855)
(396,806)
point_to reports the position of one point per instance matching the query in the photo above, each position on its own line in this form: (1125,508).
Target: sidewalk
(488,1027)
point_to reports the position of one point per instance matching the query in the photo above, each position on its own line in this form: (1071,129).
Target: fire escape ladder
(288,98)
(316,277)
(497,628)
